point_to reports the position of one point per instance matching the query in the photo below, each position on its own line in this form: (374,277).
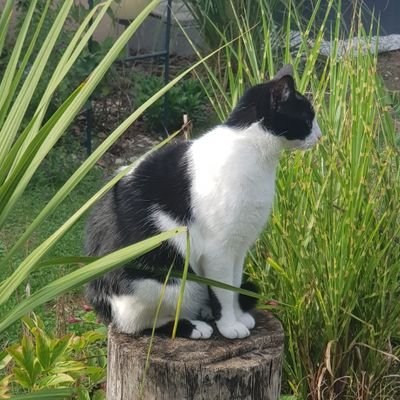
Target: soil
(389,68)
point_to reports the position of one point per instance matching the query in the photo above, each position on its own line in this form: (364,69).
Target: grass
(331,253)
(46,183)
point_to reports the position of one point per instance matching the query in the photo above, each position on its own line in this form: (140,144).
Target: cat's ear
(282,89)
(285,70)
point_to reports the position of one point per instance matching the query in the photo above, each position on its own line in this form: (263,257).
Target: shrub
(331,254)
(185,97)
(23,148)
(41,361)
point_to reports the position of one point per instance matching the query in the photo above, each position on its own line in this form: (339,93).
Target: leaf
(182,288)
(99,395)
(4,387)
(43,348)
(28,355)
(83,394)
(22,378)
(68,366)
(59,348)
(36,371)
(93,337)
(12,123)
(5,18)
(15,352)
(85,274)
(96,374)
(56,380)
(4,359)
(53,394)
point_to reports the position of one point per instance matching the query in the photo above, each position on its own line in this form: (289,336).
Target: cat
(221,186)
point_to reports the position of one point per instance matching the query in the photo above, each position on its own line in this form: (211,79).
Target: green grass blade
(7,188)
(61,194)
(13,121)
(50,394)
(92,159)
(85,274)
(153,330)
(212,282)
(61,125)
(22,66)
(182,288)
(69,57)
(5,18)
(12,64)
(33,258)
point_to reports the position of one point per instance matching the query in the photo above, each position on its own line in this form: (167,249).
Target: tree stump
(213,369)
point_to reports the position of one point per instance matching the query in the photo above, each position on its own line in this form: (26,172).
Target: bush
(41,361)
(331,254)
(185,97)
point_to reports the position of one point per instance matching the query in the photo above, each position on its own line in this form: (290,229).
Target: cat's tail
(247,303)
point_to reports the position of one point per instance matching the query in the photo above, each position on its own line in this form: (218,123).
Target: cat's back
(124,215)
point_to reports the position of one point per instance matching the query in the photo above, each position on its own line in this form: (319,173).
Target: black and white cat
(221,186)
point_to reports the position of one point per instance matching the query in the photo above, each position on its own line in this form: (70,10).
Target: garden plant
(24,145)
(330,256)
(328,264)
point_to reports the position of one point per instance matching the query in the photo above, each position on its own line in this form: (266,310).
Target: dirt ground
(389,68)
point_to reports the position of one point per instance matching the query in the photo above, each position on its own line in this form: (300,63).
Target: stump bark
(214,369)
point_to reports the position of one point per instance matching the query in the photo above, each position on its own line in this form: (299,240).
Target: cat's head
(280,109)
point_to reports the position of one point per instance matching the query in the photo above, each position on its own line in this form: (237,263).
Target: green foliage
(218,19)
(331,254)
(88,59)
(41,361)
(185,97)
(24,146)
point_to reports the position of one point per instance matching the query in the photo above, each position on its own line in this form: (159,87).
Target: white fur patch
(315,135)
(202,330)
(135,312)
(164,222)
(233,185)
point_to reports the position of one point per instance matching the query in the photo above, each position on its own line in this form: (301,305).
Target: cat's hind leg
(136,312)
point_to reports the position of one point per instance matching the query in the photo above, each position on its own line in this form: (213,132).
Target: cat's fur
(222,187)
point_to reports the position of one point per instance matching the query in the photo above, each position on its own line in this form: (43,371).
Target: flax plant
(22,149)
(331,252)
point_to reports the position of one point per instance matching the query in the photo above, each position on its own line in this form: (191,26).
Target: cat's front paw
(201,330)
(235,330)
(247,320)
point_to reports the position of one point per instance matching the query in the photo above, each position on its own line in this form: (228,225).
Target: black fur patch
(280,108)
(122,218)
(214,304)
(247,303)
(184,329)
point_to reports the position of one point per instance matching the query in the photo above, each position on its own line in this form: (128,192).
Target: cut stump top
(212,369)
(268,333)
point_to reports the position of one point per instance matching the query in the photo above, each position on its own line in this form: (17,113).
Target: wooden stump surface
(217,368)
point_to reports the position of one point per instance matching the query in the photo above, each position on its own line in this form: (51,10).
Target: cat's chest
(233,187)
